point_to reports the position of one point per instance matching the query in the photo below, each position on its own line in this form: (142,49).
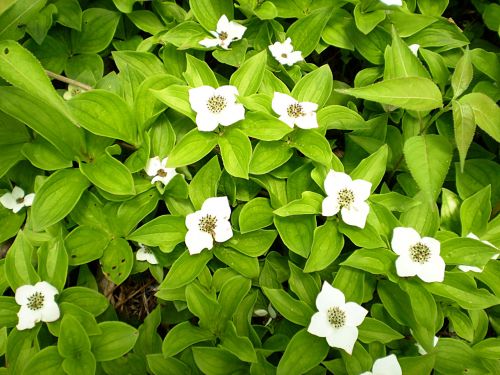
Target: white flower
(292,112)
(227,32)
(144,253)
(392,2)
(37,304)
(284,53)
(157,169)
(214,106)
(209,224)
(414,48)
(336,320)
(417,255)
(72,92)
(465,268)
(385,366)
(420,348)
(16,200)
(348,197)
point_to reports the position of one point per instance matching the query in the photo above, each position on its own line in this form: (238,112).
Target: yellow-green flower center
(420,253)
(216,104)
(161,172)
(336,316)
(207,224)
(223,35)
(35,301)
(345,198)
(295,110)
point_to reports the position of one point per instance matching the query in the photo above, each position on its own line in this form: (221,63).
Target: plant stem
(68,80)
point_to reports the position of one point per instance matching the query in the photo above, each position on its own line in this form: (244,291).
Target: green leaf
(373,330)
(46,362)
(88,299)
(98,29)
(117,261)
(15,16)
(198,73)
(204,306)
(184,270)
(340,117)
(305,286)
(315,87)
(488,348)
(466,251)
(177,98)
(241,263)
(486,113)
(182,336)
(313,350)
(236,151)
(313,145)
(166,366)
(428,157)
(231,294)
(263,126)
(267,156)
(204,183)
(53,263)
(215,361)
(238,345)
(208,12)
(296,311)
(254,243)
(309,204)
(376,261)
(116,339)
(85,318)
(465,127)
(326,247)
(85,244)
(249,75)
(85,364)
(475,212)
(306,31)
(462,76)
(73,340)
(8,312)
(191,148)
(372,169)
(414,93)
(104,113)
(18,268)
(297,232)
(165,231)
(255,214)
(367,21)
(57,196)
(368,237)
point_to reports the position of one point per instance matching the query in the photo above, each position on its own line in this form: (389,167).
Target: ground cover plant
(249,187)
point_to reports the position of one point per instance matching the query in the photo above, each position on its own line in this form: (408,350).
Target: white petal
(8,201)
(235,31)
(193,220)
(141,255)
(307,121)
(405,267)
(18,207)
(23,292)
(47,290)
(217,206)
(50,312)
(232,114)
(281,102)
(290,121)
(223,231)
(17,192)
(387,366)
(465,268)
(153,165)
(392,2)
(229,93)
(222,24)
(199,96)
(361,189)
(330,206)
(356,215)
(414,48)
(210,42)
(165,180)
(328,297)
(355,314)
(319,325)
(433,245)
(473,236)
(336,181)
(27,318)
(308,107)
(367,373)
(343,338)
(151,259)
(403,238)
(28,199)
(196,241)
(294,57)
(433,270)
(206,121)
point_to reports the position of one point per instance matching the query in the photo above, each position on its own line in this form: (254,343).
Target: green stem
(67,80)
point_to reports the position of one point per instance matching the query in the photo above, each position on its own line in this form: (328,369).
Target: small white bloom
(392,2)
(385,366)
(72,92)
(292,112)
(227,32)
(417,255)
(465,268)
(348,197)
(157,169)
(214,106)
(144,253)
(37,304)
(209,224)
(420,348)
(284,53)
(16,200)
(414,48)
(336,320)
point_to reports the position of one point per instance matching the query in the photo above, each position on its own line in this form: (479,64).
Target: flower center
(207,224)
(222,35)
(420,253)
(336,317)
(295,110)
(35,301)
(216,104)
(345,198)
(20,200)
(147,250)
(284,55)
(161,172)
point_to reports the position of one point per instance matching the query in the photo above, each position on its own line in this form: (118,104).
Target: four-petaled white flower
(385,366)
(227,32)
(465,268)
(157,168)
(292,112)
(392,2)
(284,53)
(16,200)
(214,106)
(209,224)
(336,320)
(348,197)
(414,48)
(417,255)
(37,304)
(144,253)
